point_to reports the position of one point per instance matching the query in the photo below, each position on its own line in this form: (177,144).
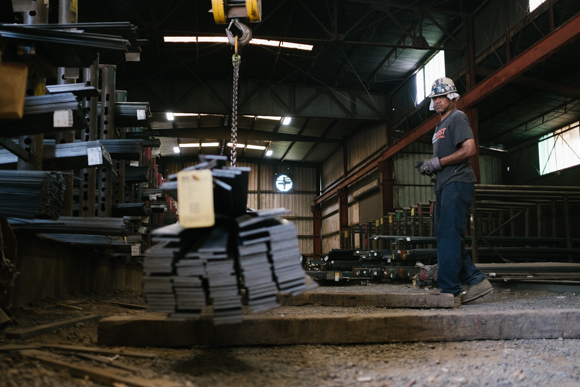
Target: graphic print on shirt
(438,134)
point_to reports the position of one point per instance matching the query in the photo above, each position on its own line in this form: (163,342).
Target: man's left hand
(430,166)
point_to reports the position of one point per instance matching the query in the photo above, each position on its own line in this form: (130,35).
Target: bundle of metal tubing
(31,194)
(72,225)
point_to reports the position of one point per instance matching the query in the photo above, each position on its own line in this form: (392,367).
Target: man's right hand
(430,166)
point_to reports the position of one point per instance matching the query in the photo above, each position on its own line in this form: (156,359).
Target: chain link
(236,59)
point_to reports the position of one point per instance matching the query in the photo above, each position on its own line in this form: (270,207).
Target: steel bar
(78,89)
(74,225)
(130,209)
(14,148)
(115,243)
(136,174)
(48,35)
(31,194)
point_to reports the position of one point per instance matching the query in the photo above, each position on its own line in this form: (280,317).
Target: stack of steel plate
(263,231)
(256,259)
(253,252)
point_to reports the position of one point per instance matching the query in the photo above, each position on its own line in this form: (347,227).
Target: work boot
(476,291)
(457,301)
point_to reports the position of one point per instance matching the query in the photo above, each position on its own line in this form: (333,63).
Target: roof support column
(386,169)
(317,230)
(470,80)
(472,115)
(342,213)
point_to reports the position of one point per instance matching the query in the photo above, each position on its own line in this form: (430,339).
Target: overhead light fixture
(185,114)
(170,116)
(237,146)
(224,39)
(264,42)
(298,46)
(209,144)
(176,149)
(189,145)
(258,147)
(212,39)
(269,152)
(180,39)
(287,120)
(274,118)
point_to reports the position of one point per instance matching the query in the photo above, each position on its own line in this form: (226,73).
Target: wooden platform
(391,300)
(154,331)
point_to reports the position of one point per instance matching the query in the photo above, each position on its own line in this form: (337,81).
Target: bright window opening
(559,150)
(434,69)
(535,4)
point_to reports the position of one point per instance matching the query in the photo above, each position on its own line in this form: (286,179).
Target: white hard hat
(442,86)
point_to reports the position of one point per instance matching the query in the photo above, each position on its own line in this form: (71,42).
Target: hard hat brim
(440,94)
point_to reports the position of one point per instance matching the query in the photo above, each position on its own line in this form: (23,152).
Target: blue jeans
(455,265)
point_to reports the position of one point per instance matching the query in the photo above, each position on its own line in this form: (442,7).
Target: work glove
(430,166)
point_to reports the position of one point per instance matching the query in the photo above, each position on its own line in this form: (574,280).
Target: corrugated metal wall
(262,194)
(332,169)
(365,142)
(490,169)
(410,186)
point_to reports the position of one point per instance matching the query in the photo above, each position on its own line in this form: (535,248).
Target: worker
(453,145)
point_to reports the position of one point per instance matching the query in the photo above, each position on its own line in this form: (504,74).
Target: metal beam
(393,4)
(243,135)
(14,148)
(536,83)
(259,98)
(416,46)
(315,18)
(547,46)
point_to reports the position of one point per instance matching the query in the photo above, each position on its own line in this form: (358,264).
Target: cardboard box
(13,78)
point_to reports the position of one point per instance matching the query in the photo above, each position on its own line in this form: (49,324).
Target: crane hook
(246,33)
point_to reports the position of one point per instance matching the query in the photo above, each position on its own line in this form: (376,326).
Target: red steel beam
(547,46)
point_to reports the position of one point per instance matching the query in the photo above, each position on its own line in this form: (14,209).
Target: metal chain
(236,59)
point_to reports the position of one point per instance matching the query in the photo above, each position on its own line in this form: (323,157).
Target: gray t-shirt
(448,136)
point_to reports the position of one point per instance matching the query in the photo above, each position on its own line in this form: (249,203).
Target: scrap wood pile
(251,253)
(100,365)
